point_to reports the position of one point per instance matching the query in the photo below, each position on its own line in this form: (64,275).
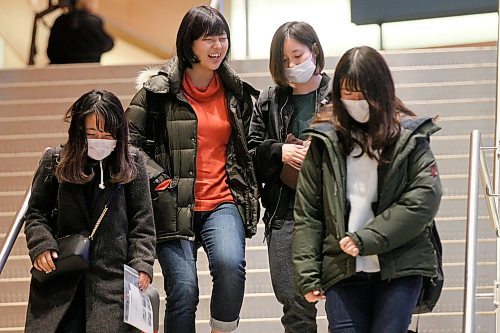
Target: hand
(349,246)
(314,296)
(293,154)
(144,281)
(44,263)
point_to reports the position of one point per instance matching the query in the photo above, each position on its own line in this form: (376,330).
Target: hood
(145,75)
(412,129)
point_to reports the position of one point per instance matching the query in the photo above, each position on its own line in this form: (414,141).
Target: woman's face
(211,50)
(94,127)
(349,94)
(295,53)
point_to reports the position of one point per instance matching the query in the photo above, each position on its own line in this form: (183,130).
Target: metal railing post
(496,173)
(15,228)
(472,217)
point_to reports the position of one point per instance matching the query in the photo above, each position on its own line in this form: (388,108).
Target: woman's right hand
(314,296)
(44,263)
(293,154)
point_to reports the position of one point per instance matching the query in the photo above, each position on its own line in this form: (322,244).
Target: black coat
(267,134)
(125,236)
(78,37)
(175,145)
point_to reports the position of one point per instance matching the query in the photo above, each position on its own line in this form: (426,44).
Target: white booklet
(138,311)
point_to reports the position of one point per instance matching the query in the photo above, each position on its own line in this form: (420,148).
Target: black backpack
(432,287)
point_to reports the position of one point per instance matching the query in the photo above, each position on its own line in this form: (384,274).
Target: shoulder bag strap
(103,213)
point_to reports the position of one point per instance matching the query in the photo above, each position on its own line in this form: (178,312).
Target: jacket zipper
(281,186)
(181,98)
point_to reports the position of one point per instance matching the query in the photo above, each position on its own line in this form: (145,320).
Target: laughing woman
(191,117)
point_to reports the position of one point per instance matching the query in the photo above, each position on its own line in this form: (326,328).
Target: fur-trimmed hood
(145,75)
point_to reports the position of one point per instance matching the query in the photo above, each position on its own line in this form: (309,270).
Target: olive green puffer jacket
(409,193)
(172,152)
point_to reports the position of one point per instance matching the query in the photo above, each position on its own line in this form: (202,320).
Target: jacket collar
(412,129)
(324,90)
(167,79)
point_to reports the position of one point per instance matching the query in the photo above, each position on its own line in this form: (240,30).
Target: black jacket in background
(78,37)
(267,134)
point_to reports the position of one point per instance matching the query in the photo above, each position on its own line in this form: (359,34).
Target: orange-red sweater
(211,187)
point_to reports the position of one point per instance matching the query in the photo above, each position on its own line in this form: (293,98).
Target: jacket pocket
(165,207)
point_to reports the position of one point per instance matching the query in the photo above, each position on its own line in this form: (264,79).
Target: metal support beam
(470,264)
(496,173)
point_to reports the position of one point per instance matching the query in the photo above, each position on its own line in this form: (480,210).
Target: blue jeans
(364,303)
(222,235)
(299,316)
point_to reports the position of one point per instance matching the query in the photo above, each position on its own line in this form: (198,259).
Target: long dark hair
(74,164)
(364,69)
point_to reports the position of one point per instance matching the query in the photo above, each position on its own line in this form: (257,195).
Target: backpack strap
(55,158)
(151,114)
(156,135)
(56,152)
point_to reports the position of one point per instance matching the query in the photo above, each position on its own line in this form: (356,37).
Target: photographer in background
(78,35)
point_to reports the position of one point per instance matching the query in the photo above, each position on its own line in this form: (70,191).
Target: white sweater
(362,182)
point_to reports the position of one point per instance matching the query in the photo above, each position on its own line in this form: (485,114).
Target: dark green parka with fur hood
(409,193)
(170,140)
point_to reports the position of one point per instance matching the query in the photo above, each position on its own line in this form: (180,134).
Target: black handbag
(73,254)
(432,287)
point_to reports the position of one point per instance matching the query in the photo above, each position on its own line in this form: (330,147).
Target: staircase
(456,84)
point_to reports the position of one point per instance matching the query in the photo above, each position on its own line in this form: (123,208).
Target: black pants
(74,319)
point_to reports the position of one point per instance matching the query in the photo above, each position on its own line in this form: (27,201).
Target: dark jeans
(365,304)
(222,235)
(299,316)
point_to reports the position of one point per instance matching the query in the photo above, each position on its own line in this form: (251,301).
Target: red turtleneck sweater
(211,187)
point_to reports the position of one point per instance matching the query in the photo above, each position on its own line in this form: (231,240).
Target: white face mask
(359,110)
(302,72)
(99,149)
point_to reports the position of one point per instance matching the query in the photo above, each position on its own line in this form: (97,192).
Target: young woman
(279,145)
(70,189)
(367,195)
(192,118)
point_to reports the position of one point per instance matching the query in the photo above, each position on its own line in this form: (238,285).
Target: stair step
(399,58)
(458,85)
(70,72)
(44,106)
(254,306)
(65,90)
(19,162)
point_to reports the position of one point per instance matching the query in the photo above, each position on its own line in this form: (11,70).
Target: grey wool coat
(125,236)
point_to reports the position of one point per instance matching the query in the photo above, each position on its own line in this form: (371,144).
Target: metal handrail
(478,166)
(50,8)
(15,228)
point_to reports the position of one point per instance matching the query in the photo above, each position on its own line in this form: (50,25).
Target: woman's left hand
(349,246)
(144,281)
